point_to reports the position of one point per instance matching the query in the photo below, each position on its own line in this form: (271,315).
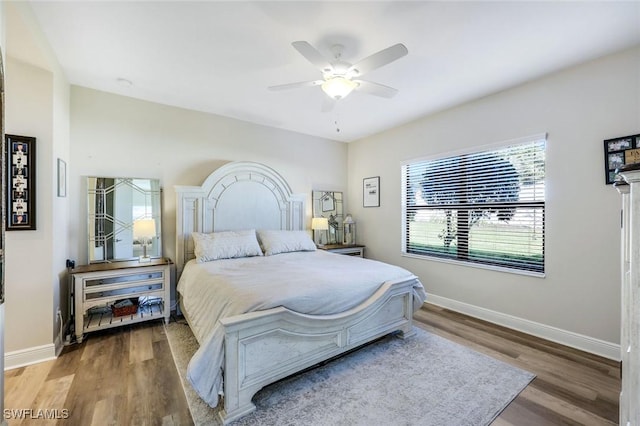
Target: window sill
(477,265)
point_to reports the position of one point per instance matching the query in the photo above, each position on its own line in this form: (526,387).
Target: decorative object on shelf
(62,178)
(371,192)
(319,224)
(349,229)
(144,230)
(21,182)
(334,229)
(125,307)
(619,152)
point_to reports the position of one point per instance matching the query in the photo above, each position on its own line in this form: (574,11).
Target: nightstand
(97,287)
(349,250)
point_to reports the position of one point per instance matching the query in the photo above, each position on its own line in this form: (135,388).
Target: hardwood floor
(571,387)
(126,376)
(121,376)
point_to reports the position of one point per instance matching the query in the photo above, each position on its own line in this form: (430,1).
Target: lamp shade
(338,87)
(320,224)
(144,229)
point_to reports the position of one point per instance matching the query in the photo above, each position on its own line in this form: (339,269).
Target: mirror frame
(330,204)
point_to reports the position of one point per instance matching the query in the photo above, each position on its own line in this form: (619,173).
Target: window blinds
(483,207)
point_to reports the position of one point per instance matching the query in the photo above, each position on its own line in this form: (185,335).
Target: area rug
(423,380)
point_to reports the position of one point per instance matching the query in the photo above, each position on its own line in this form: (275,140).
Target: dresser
(630,292)
(113,294)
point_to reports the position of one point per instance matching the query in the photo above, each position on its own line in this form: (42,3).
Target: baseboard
(564,337)
(29,356)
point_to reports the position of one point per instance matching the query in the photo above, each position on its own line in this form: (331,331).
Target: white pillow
(274,242)
(225,245)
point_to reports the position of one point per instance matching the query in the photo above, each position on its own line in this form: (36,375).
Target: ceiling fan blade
(378,59)
(328,104)
(375,89)
(312,55)
(296,85)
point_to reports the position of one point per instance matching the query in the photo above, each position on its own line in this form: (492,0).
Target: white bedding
(317,283)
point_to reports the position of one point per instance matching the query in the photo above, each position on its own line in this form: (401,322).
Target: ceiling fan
(339,78)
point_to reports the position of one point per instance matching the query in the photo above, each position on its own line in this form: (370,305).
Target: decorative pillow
(225,245)
(274,242)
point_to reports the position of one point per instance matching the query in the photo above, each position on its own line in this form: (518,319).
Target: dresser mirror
(115,206)
(328,204)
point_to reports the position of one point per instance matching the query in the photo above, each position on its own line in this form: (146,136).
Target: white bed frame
(265,346)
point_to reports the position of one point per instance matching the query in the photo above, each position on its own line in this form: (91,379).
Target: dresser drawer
(123,279)
(127,291)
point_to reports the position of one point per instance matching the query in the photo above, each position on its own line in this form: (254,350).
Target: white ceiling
(220,57)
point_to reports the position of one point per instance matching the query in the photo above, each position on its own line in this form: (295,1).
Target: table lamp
(320,224)
(144,230)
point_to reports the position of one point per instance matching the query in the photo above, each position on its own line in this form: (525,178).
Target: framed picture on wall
(371,192)
(21,182)
(620,152)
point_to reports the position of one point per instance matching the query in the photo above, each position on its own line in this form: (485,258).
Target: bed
(261,301)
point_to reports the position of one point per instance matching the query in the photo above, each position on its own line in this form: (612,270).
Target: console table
(98,287)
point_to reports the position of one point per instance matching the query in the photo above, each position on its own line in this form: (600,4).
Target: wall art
(21,182)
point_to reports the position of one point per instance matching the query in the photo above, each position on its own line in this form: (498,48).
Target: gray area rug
(424,380)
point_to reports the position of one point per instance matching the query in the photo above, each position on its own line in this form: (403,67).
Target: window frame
(494,266)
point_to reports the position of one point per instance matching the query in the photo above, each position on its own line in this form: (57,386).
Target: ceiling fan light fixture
(338,87)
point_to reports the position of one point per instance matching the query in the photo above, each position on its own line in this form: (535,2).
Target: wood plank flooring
(126,376)
(120,376)
(571,387)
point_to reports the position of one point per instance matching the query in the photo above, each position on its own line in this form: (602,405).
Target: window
(484,207)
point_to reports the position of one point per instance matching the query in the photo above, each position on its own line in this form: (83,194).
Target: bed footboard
(266,346)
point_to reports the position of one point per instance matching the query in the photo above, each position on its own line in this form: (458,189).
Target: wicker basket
(125,307)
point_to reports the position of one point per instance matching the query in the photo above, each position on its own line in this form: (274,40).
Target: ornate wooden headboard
(238,195)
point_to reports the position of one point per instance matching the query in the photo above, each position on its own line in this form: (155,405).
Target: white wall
(28,293)
(578,108)
(115,136)
(36,104)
